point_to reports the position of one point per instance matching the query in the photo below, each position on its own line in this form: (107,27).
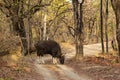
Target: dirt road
(58,72)
(89,50)
(64,72)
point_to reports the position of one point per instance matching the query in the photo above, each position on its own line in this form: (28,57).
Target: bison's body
(49,47)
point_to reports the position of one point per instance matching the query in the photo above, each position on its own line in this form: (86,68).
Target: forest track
(64,72)
(58,72)
(89,50)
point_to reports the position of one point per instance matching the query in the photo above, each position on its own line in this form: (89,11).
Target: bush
(8,42)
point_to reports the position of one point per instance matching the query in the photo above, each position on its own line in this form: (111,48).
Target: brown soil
(22,70)
(97,68)
(104,67)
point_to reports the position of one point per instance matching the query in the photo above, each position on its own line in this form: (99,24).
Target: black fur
(49,47)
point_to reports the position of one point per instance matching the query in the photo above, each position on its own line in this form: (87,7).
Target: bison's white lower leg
(54,60)
(41,60)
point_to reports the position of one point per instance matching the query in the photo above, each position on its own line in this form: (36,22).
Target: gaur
(49,47)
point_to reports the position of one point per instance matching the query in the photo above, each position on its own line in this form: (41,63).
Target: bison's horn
(63,55)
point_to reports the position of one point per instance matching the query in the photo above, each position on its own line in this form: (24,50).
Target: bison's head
(61,59)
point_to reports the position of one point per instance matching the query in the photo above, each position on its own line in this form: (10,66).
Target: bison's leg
(41,60)
(54,60)
(40,55)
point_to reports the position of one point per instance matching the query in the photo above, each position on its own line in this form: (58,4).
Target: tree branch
(36,8)
(70,30)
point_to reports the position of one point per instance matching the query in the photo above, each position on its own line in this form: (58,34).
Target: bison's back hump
(48,45)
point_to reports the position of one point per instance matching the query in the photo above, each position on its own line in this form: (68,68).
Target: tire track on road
(58,72)
(46,73)
(69,72)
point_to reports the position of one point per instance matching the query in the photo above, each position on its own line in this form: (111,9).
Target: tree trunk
(116,8)
(78,28)
(106,27)
(18,23)
(45,28)
(19,29)
(101,26)
(29,31)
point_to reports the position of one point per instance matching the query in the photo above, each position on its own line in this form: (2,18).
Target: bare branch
(71,30)
(36,8)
